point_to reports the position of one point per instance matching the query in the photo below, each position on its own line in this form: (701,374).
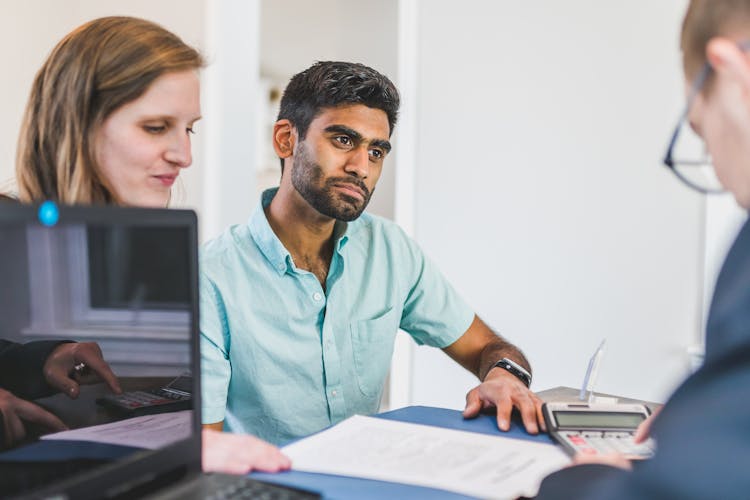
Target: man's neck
(304,232)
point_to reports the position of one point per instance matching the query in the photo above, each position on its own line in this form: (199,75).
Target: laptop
(125,281)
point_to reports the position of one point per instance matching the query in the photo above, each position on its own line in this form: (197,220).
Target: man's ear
(728,60)
(284,138)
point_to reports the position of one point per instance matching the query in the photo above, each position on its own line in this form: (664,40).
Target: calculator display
(598,420)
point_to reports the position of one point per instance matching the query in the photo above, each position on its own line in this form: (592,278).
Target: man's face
(335,168)
(721,116)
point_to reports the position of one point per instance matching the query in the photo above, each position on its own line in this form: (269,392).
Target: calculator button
(592,434)
(575,439)
(620,434)
(602,445)
(620,445)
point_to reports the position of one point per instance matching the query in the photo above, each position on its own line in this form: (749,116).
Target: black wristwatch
(516,369)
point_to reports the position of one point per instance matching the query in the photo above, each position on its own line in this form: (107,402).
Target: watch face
(515,369)
(516,366)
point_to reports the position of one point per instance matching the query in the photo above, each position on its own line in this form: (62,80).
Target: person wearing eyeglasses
(703,431)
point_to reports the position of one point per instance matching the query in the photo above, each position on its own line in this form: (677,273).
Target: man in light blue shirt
(301,305)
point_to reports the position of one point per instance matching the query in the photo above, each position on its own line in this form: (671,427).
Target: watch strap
(516,369)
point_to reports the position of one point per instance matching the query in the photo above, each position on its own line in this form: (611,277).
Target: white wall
(540,190)
(231,97)
(539,128)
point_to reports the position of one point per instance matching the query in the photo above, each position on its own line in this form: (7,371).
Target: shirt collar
(270,244)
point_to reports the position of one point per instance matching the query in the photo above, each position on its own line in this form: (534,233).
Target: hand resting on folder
(240,454)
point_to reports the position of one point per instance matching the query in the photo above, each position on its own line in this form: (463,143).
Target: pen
(592,372)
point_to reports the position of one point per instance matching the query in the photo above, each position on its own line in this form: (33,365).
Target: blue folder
(340,487)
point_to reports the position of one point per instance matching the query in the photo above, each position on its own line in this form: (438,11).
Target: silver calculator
(592,429)
(175,396)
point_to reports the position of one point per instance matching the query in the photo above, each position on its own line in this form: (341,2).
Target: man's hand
(612,459)
(503,390)
(14,411)
(76,363)
(643,431)
(240,454)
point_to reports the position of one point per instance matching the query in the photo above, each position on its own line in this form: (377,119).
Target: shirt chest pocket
(372,349)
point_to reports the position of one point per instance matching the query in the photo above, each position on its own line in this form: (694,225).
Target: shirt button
(317,296)
(333,392)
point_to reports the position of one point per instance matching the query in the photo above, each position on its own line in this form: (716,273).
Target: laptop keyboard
(250,488)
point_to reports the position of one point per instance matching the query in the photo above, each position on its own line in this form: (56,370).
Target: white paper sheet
(151,431)
(465,462)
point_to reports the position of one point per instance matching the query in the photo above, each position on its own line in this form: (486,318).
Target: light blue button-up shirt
(281,356)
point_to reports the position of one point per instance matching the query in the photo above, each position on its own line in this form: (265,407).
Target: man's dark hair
(329,84)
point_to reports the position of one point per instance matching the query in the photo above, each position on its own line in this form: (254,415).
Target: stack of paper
(465,462)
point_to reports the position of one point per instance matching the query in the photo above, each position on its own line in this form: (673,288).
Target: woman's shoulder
(8,190)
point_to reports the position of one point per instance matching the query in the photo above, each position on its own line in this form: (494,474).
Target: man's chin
(342,208)
(347,215)
(348,210)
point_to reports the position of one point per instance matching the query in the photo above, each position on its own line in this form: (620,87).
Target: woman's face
(143,145)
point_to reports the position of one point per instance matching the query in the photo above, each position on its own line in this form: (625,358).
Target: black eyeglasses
(697,173)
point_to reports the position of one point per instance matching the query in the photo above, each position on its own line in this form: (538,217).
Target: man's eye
(377,154)
(190,130)
(342,139)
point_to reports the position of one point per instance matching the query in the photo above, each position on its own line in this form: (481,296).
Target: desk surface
(570,394)
(338,487)
(84,410)
(78,413)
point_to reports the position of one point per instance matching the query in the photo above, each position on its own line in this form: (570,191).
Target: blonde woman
(109,121)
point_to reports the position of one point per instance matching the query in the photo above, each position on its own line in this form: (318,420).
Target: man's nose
(358,162)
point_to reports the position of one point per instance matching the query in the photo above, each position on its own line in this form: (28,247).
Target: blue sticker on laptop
(48,213)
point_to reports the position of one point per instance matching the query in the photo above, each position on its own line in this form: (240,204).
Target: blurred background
(527,162)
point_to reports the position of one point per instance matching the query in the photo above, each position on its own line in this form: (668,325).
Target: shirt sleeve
(434,313)
(22,367)
(214,348)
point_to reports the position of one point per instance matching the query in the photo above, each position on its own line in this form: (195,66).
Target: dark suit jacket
(21,367)
(703,431)
(21,371)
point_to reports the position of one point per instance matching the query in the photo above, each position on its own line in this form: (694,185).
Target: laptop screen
(105,300)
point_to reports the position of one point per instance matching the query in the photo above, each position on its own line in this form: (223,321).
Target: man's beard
(307,177)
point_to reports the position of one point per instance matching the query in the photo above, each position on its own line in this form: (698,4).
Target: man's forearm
(497,350)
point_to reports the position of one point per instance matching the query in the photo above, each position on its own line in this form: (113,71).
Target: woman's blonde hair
(94,70)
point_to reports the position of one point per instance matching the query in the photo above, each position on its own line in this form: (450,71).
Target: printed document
(465,462)
(150,431)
